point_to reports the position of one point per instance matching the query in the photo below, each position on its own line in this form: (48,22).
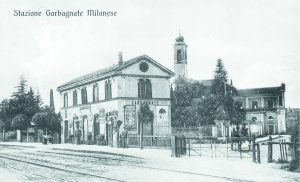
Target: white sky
(258,40)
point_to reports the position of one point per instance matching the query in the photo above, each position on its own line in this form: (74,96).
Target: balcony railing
(264,108)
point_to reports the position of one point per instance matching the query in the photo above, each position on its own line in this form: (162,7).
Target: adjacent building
(265,109)
(105,103)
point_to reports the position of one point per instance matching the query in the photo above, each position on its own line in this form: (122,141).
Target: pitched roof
(261,91)
(109,71)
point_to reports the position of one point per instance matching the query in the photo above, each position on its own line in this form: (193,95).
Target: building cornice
(116,98)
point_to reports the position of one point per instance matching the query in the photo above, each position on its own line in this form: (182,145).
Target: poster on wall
(130,116)
(162,113)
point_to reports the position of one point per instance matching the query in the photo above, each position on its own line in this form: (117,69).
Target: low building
(265,109)
(106,102)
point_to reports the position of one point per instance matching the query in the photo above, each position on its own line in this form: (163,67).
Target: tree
(20,122)
(5,120)
(47,120)
(145,115)
(24,102)
(220,79)
(227,108)
(21,88)
(184,102)
(39,99)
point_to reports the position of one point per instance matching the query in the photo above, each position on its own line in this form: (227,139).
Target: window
(144,88)
(144,66)
(95,92)
(84,96)
(270,104)
(108,94)
(280,100)
(75,98)
(270,118)
(254,104)
(66,100)
(179,56)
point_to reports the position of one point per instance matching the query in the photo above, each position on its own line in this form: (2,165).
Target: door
(109,134)
(96,129)
(271,129)
(66,131)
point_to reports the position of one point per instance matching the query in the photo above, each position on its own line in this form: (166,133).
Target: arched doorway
(271,128)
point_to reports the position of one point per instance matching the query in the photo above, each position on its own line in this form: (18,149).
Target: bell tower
(180,57)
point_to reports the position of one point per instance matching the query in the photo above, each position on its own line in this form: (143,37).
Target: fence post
(179,147)
(200,148)
(240,148)
(286,154)
(141,135)
(183,145)
(270,150)
(253,150)
(215,149)
(227,147)
(173,146)
(281,150)
(189,147)
(212,154)
(258,153)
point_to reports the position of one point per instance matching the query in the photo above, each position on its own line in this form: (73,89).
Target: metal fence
(228,147)
(149,141)
(201,131)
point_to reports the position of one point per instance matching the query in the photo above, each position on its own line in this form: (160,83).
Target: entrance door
(96,129)
(66,131)
(271,129)
(109,134)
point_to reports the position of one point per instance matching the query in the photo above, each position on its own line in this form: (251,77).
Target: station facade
(105,103)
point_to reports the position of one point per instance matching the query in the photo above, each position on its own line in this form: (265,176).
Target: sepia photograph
(143,91)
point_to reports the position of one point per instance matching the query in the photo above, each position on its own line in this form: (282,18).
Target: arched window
(108,94)
(254,104)
(84,96)
(75,98)
(179,59)
(95,92)
(270,118)
(144,88)
(66,100)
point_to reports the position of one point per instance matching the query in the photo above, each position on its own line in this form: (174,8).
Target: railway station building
(106,102)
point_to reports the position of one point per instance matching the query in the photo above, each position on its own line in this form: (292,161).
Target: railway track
(39,158)
(59,168)
(31,176)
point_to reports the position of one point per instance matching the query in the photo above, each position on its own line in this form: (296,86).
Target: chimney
(282,87)
(120,62)
(231,82)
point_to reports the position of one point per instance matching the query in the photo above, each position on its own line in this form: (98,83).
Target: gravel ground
(67,162)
